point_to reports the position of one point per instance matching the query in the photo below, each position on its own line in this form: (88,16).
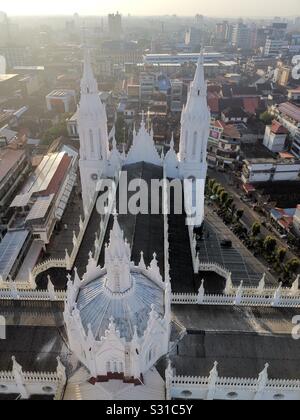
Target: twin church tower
(98,161)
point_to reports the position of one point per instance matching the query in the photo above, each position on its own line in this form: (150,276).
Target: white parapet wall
(214,387)
(260,296)
(27,384)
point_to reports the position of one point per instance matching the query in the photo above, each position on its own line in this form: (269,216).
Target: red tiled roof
(213,102)
(286,155)
(59,176)
(278,128)
(251,105)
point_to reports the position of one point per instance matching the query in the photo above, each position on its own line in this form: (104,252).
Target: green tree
(292,266)
(216,188)
(266,118)
(59,130)
(256,229)
(281,254)
(270,245)
(223,196)
(211,184)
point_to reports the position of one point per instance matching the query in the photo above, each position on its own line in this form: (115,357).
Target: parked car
(226,243)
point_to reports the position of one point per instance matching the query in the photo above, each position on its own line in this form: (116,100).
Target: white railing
(11,291)
(222,388)
(215,268)
(280,297)
(26,384)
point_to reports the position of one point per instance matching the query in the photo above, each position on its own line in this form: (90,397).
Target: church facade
(137,320)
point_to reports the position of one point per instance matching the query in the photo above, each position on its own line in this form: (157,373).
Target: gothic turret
(92,127)
(195,123)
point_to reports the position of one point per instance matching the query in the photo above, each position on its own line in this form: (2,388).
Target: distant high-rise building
(276,41)
(241,36)
(199,19)
(115,25)
(4,29)
(222,31)
(193,37)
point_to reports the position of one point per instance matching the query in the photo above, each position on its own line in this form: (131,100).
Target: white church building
(136,320)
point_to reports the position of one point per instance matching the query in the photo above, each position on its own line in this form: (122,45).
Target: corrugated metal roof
(10,248)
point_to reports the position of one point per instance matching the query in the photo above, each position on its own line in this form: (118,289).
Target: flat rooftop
(241,340)
(6,77)
(8,159)
(256,151)
(61,93)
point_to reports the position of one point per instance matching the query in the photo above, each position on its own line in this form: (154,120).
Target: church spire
(198,87)
(117,261)
(88,82)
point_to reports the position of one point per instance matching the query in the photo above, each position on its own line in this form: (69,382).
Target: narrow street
(250,216)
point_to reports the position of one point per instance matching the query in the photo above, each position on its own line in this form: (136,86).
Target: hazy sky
(155,7)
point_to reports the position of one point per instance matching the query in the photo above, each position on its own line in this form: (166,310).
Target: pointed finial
(172,142)
(142,264)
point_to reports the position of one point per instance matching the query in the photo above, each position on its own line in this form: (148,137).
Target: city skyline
(269,8)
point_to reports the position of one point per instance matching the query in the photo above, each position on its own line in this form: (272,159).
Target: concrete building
(241,36)
(229,146)
(270,170)
(43,199)
(274,47)
(294,94)
(177,89)
(61,101)
(282,75)
(276,41)
(288,115)
(8,84)
(115,25)
(14,167)
(147,86)
(275,137)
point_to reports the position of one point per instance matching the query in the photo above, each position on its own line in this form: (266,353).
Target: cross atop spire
(88,82)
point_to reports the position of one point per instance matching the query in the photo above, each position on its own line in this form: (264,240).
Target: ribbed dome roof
(97,305)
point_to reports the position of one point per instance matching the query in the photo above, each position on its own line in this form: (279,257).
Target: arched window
(92,142)
(195,138)
(108,368)
(115,367)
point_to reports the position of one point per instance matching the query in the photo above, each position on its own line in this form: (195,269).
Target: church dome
(124,293)
(97,305)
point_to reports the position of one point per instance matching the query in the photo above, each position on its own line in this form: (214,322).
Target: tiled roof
(278,128)
(290,110)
